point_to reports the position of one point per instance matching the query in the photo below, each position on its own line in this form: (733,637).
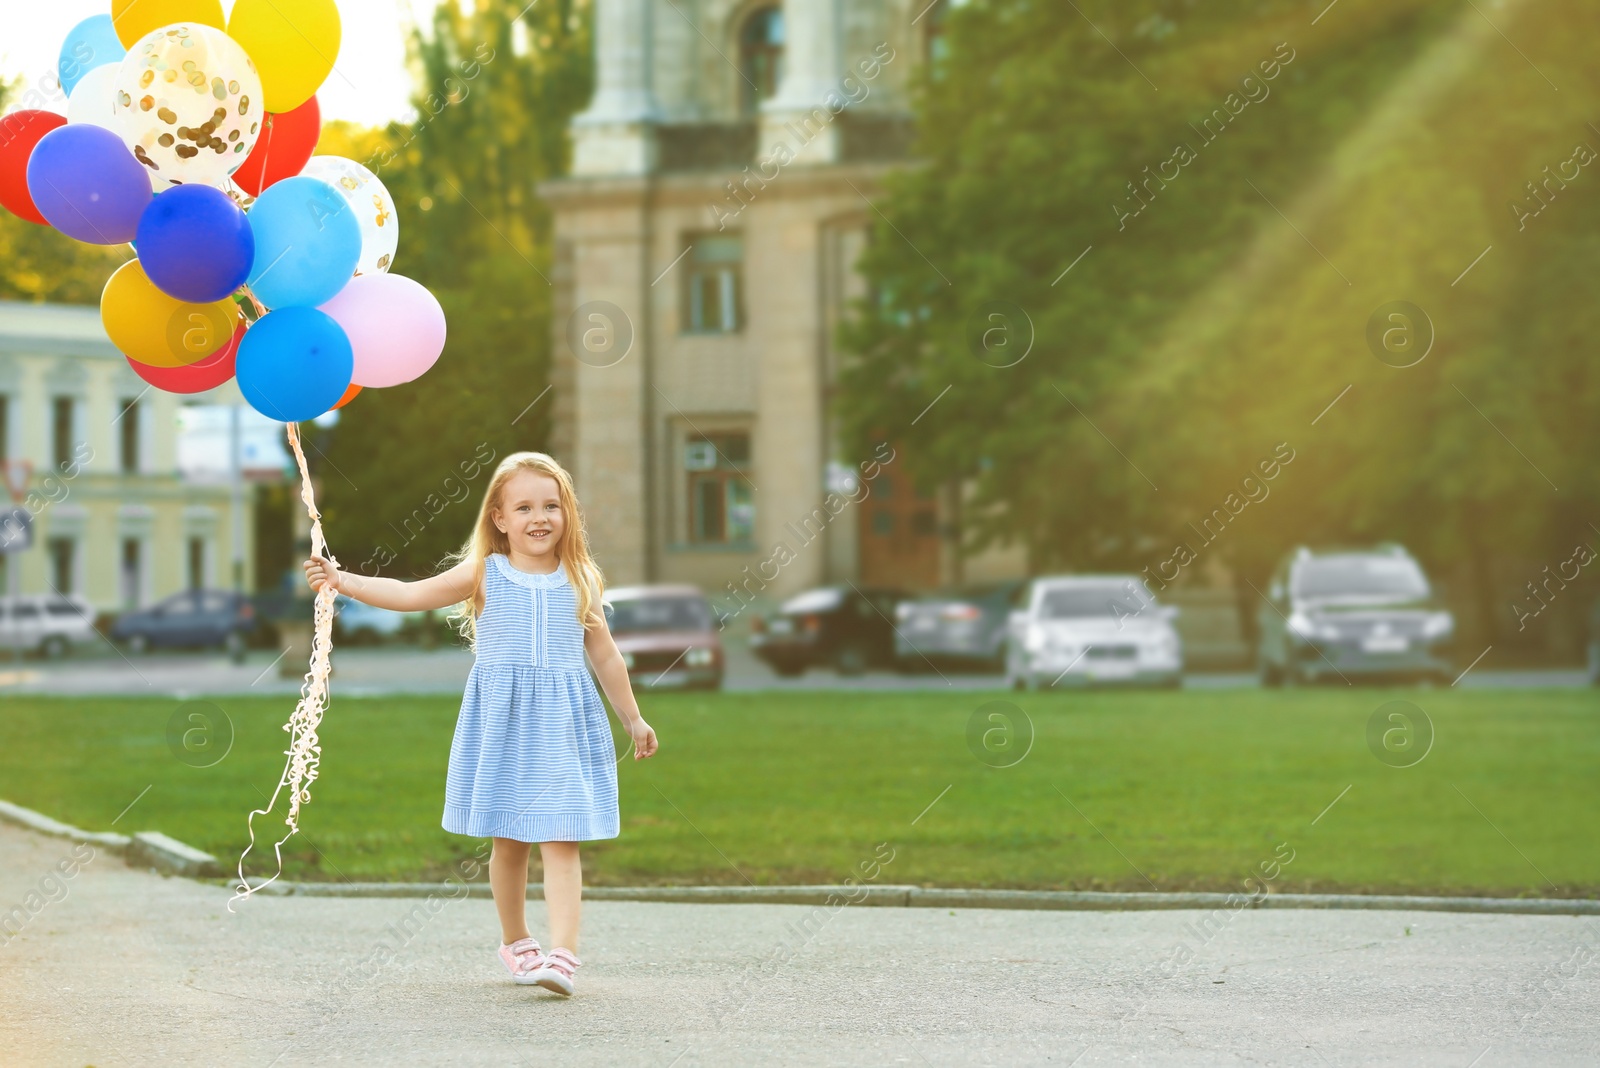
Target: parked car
(844,627)
(1352,613)
(963,625)
(667,636)
(1092,629)
(357,623)
(47,624)
(192,619)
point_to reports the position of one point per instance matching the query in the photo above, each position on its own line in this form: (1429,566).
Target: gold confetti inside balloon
(374,208)
(188,103)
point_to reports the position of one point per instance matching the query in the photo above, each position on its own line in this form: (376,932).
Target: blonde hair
(588,582)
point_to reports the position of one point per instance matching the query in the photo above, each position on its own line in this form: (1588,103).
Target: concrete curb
(170,856)
(921,897)
(38,821)
(146,849)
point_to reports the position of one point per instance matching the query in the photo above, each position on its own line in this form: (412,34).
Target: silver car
(46,624)
(1089,630)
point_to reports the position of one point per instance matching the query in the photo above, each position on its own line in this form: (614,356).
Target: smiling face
(530,514)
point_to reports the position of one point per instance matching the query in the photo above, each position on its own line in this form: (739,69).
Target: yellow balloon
(294,44)
(135,18)
(148,326)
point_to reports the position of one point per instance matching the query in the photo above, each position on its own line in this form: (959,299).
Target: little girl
(532,759)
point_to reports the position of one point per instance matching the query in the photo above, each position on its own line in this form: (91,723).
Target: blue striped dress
(532,758)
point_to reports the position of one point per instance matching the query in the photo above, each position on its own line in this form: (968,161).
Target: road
(367,671)
(125,967)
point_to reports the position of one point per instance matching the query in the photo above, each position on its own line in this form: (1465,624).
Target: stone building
(721,190)
(93,455)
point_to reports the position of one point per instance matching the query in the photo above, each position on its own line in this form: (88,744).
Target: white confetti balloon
(188,103)
(374,207)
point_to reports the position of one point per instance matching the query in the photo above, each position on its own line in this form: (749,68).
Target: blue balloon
(87,184)
(308,243)
(294,364)
(91,43)
(195,244)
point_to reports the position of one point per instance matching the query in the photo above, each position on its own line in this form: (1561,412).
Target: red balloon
(20,131)
(209,373)
(283,149)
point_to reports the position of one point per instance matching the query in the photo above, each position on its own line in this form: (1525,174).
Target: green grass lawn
(1189,790)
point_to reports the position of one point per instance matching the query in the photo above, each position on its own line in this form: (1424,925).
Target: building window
(128,429)
(5,428)
(760,57)
(132,572)
(61,432)
(197,563)
(63,564)
(714,296)
(722,509)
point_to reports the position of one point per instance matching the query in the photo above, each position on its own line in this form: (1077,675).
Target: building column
(614,135)
(605,336)
(809,99)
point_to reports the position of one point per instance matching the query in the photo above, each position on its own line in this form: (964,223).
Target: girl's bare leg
(563,891)
(508,880)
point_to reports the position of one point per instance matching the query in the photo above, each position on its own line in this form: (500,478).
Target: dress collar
(558,577)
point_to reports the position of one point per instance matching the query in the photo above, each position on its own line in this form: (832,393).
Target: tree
(405,466)
(1243,223)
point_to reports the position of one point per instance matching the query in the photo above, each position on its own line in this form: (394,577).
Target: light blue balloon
(91,43)
(308,243)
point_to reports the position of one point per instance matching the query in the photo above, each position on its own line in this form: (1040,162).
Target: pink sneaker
(556,974)
(523,959)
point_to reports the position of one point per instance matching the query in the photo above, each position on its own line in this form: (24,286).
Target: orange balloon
(148,326)
(349,395)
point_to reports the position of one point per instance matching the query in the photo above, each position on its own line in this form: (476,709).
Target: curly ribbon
(304,753)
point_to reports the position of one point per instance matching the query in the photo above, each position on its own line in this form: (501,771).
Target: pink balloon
(396,327)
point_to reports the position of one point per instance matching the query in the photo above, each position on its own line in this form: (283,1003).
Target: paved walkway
(127,968)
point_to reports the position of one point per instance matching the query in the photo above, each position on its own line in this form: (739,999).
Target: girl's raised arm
(441,591)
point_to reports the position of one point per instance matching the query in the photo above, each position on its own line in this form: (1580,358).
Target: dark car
(963,625)
(667,636)
(844,627)
(1353,613)
(192,619)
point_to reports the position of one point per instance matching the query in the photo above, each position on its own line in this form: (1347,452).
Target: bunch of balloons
(191,137)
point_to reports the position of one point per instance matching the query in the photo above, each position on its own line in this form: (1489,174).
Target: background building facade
(721,192)
(114,520)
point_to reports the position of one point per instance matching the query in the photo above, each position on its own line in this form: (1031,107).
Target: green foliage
(490,124)
(1201,332)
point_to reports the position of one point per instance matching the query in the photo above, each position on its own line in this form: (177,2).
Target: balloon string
(304,753)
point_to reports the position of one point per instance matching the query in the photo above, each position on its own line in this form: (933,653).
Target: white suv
(1088,629)
(48,623)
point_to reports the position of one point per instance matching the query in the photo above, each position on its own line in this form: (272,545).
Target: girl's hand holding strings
(320,573)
